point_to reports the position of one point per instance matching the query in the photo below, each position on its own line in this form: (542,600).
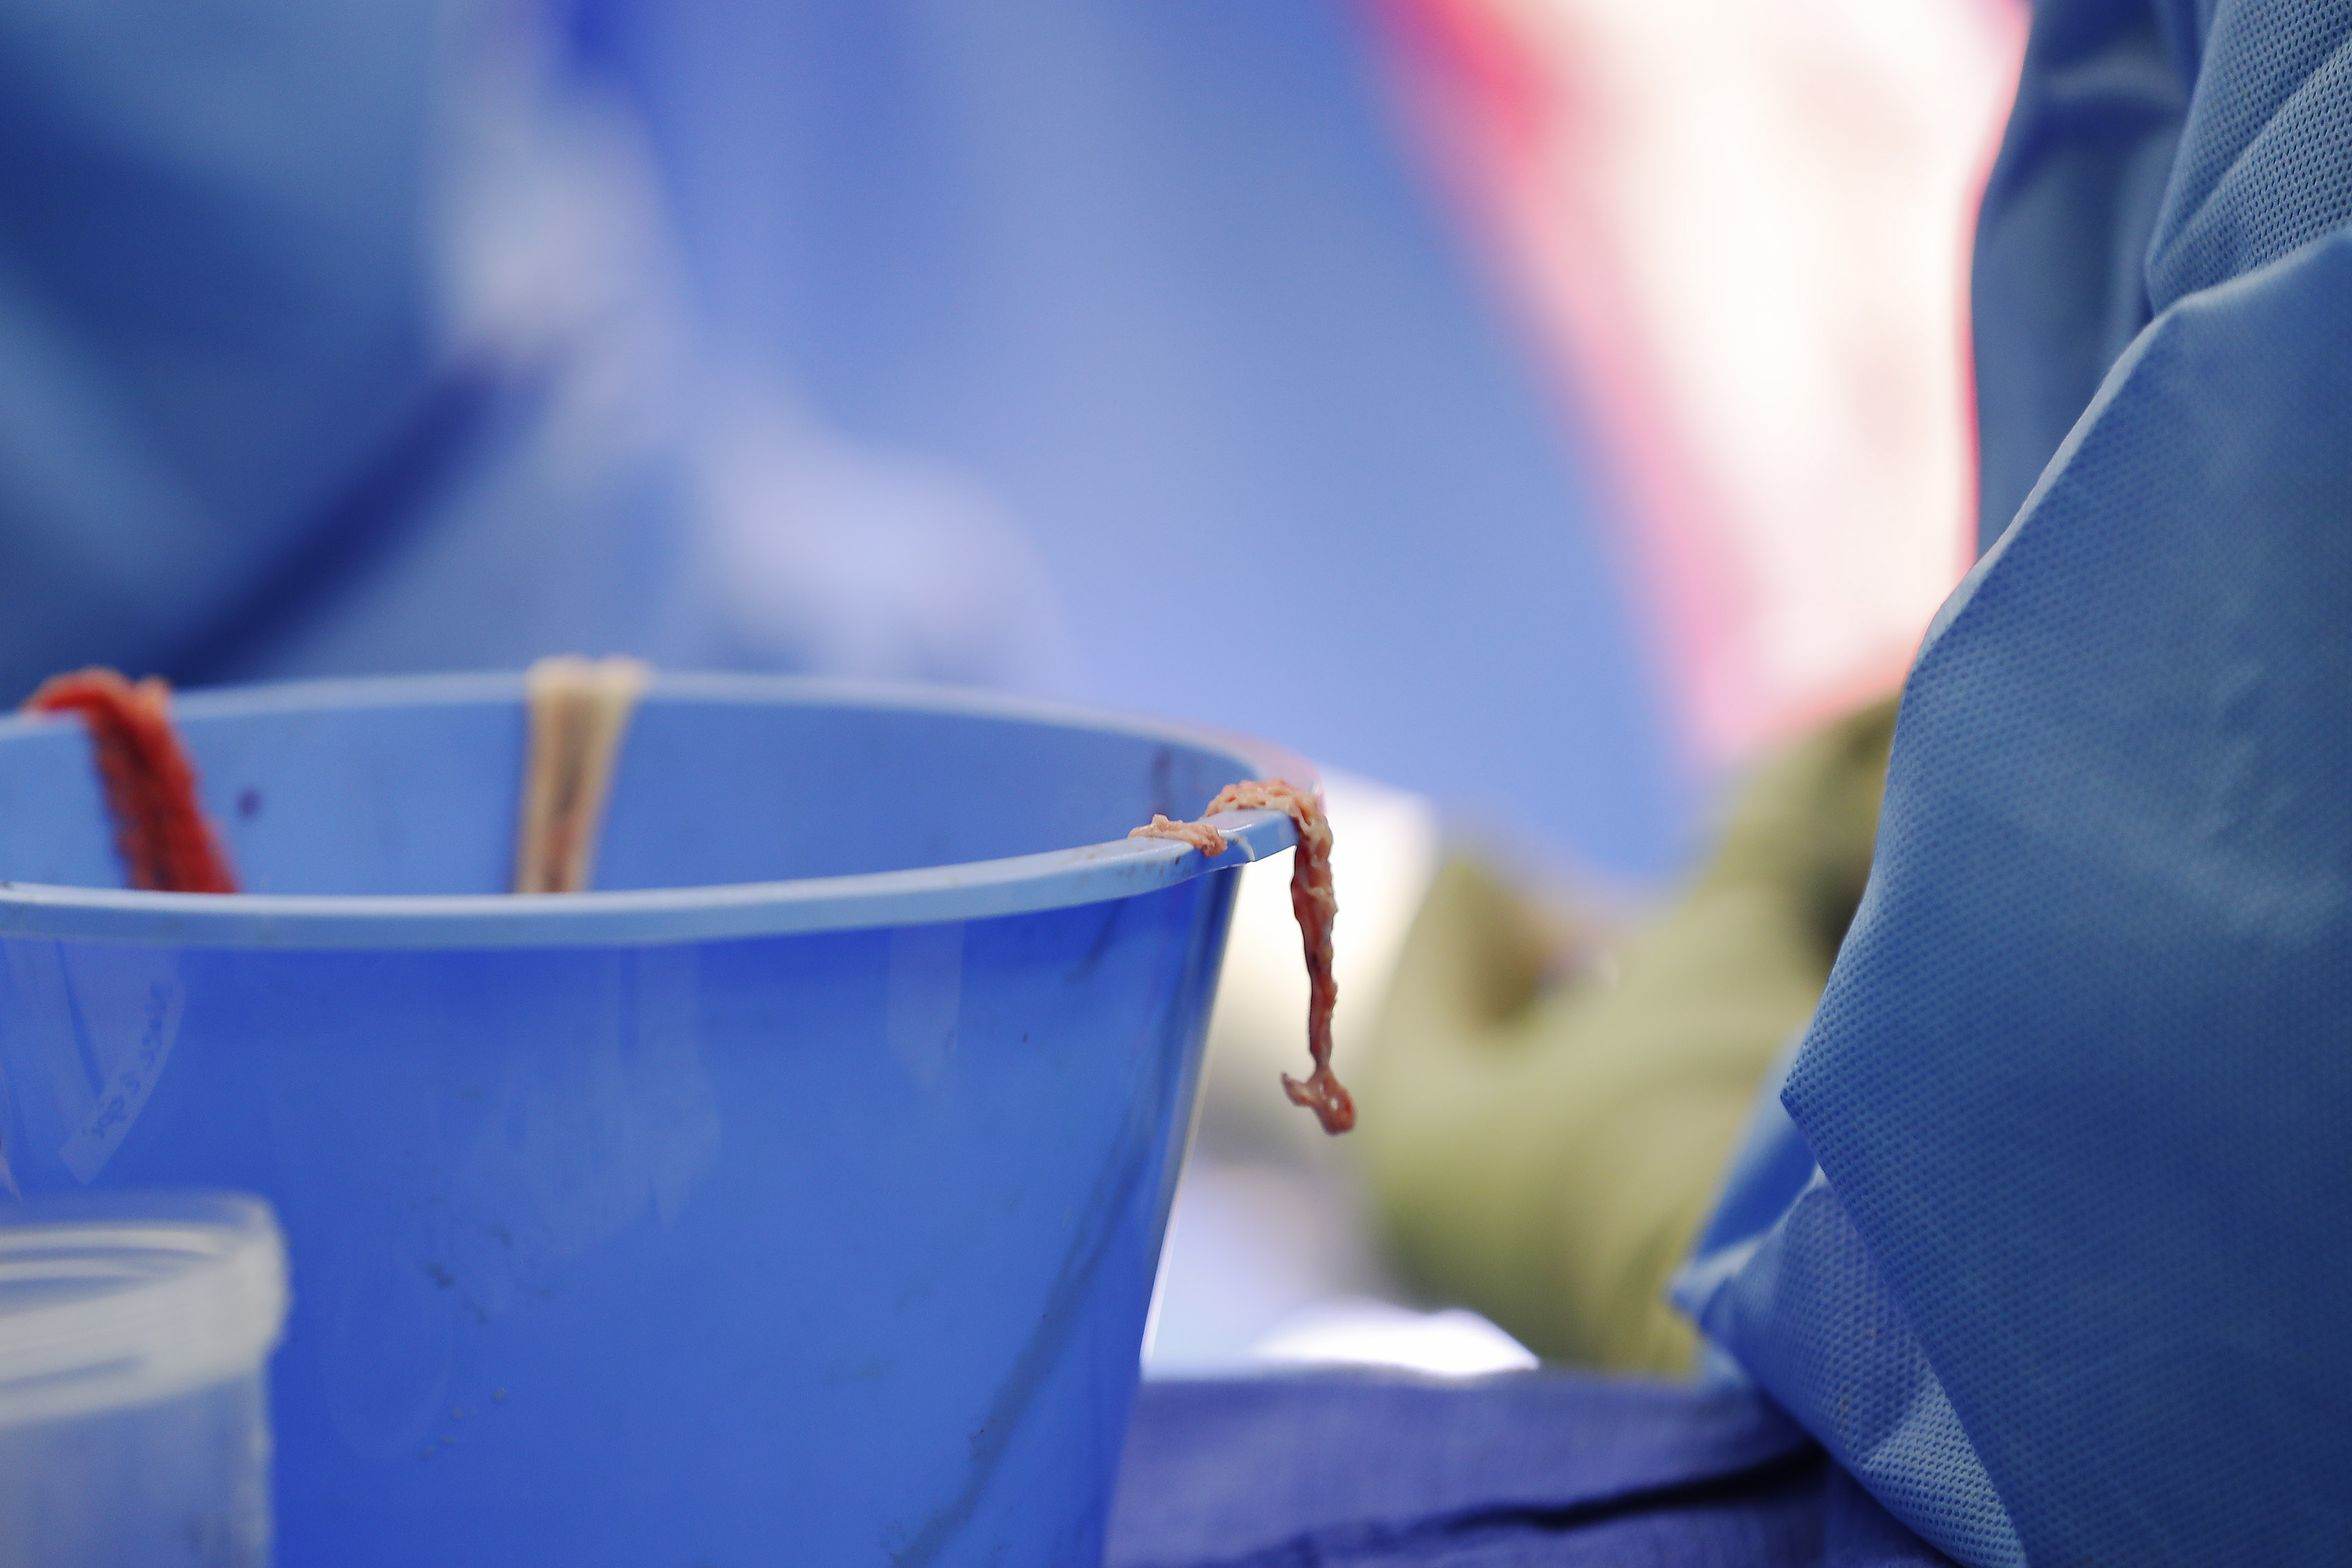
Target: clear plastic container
(135,1334)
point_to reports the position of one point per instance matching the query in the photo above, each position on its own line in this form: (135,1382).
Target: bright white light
(1375,1334)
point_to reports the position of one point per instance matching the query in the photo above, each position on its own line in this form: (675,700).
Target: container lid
(128,1299)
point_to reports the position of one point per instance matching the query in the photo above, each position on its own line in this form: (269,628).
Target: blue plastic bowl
(796,1200)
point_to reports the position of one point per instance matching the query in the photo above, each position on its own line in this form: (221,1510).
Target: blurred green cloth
(1545,1147)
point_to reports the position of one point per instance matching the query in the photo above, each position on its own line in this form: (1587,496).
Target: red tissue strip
(1315,904)
(165,843)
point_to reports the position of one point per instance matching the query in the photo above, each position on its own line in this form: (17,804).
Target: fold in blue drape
(2048,1248)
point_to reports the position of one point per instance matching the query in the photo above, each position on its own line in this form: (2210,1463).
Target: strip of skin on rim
(579,711)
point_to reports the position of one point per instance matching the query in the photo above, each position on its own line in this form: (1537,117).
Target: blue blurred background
(1165,284)
(1122,353)
(1351,373)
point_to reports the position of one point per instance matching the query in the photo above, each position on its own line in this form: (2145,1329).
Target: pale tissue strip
(579,709)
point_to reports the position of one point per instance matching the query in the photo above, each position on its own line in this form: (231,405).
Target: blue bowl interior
(415,789)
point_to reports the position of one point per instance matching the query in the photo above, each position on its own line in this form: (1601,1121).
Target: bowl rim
(966,890)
